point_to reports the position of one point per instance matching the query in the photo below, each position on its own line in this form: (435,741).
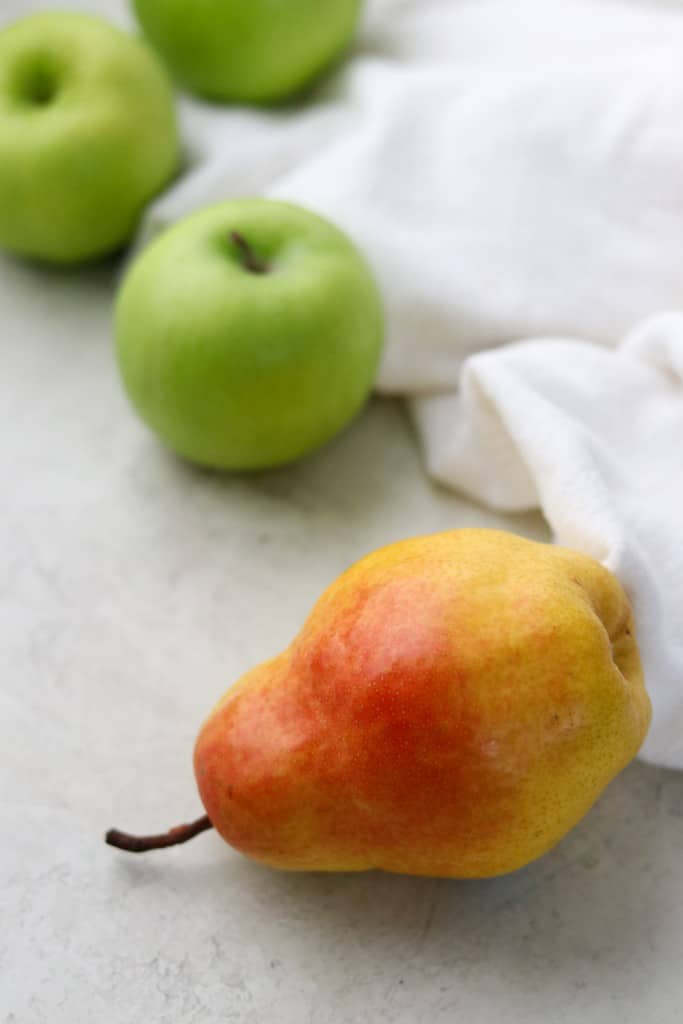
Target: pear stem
(141,844)
(250,260)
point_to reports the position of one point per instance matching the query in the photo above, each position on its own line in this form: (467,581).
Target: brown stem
(249,258)
(141,844)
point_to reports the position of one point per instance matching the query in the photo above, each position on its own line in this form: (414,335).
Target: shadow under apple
(369,480)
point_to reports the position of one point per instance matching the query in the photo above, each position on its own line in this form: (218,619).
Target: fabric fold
(595,439)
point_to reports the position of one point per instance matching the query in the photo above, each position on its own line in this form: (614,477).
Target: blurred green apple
(248,334)
(252,51)
(87,136)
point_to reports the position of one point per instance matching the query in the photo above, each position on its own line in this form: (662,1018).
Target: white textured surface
(133,590)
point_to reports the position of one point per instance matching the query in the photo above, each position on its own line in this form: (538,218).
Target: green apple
(248,334)
(253,51)
(88,135)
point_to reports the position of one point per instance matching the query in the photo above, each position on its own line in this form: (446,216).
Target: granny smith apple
(88,135)
(248,334)
(254,51)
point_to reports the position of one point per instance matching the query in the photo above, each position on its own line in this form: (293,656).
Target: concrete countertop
(133,591)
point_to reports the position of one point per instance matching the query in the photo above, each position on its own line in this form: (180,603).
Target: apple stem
(249,258)
(141,844)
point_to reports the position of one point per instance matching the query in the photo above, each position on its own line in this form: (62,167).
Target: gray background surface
(133,590)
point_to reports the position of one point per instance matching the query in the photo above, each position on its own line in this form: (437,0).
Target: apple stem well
(142,844)
(250,261)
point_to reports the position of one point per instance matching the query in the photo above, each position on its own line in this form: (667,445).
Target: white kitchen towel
(595,438)
(512,171)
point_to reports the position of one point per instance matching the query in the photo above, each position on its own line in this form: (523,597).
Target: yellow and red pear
(452,707)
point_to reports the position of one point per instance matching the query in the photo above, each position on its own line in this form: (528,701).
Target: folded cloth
(512,171)
(596,439)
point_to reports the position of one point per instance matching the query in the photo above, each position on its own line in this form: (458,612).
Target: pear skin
(453,706)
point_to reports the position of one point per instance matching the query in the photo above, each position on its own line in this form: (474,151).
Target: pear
(452,707)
